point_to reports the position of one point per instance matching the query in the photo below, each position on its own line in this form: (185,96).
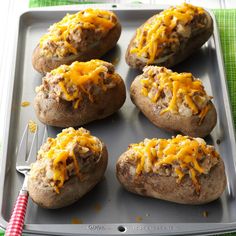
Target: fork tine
(22,150)
(22,157)
(45,134)
(33,149)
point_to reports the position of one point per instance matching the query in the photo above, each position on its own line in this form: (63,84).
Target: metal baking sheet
(108,208)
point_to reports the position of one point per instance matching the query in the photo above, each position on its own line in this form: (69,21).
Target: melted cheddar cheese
(159,32)
(182,153)
(62,34)
(182,88)
(63,147)
(79,77)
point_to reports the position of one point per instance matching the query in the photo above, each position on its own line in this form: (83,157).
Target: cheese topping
(182,154)
(63,37)
(70,82)
(63,150)
(178,92)
(161,35)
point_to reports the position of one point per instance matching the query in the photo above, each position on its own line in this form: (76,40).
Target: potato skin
(194,42)
(169,121)
(62,113)
(45,64)
(166,188)
(72,190)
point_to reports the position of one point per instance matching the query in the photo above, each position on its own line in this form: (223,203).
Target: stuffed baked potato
(67,167)
(174,101)
(169,37)
(83,36)
(182,169)
(78,94)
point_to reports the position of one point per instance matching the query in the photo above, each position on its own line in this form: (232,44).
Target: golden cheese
(78,78)
(62,148)
(91,19)
(25,104)
(154,34)
(32,126)
(182,87)
(203,113)
(182,153)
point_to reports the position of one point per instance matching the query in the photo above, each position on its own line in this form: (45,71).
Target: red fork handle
(16,223)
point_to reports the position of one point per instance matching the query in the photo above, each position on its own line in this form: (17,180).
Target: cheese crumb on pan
(76,220)
(178,93)
(32,126)
(97,207)
(65,156)
(25,104)
(179,156)
(67,36)
(138,219)
(162,34)
(205,214)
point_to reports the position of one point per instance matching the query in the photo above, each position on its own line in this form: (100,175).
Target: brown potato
(91,171)
(185,37)
(184,121)
(55,110)
(88,44)
(164,184)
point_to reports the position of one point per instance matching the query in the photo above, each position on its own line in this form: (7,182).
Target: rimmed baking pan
(109,209)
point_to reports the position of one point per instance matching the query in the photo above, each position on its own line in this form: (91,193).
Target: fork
(16,223)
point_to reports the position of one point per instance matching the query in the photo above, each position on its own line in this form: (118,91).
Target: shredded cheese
(78,78)
(203,113)
(32,126)
(25,104)
(76,220)
(157,34)
(182,153)
(62,148)
(60,34)
(182,87)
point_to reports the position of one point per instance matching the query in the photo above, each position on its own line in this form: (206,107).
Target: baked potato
(83,36)
(182,169)
(78,94)
(174,101)
(169,37)
(66,168)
